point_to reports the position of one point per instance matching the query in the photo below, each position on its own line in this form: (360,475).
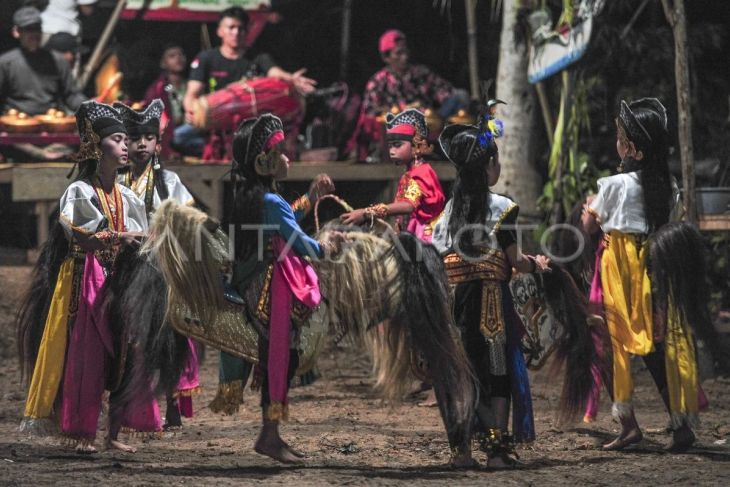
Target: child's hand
(354,217)
(542,264)
(321,186)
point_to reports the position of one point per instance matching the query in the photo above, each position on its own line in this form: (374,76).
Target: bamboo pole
(675,13)
(345,43)
(471,31)
(95,58)
(545,108)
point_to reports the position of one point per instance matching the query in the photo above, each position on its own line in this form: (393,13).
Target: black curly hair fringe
(423,325)
(30,320)
(575,350)
(677,266)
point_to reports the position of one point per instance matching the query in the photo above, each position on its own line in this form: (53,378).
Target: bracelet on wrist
(377,211)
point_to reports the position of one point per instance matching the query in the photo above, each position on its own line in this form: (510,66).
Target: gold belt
(492,269)
(491,265)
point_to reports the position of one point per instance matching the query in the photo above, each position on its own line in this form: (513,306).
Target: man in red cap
(403,84)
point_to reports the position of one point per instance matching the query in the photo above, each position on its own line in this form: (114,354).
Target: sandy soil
(351,438)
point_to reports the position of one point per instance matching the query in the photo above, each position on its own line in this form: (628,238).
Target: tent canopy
(190,10)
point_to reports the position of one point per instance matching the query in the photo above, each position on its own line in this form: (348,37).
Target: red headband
(403,129)
(273,139)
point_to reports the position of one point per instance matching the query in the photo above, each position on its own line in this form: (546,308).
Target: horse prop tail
(677,267)
(422,328)
(575,350)
(136,297)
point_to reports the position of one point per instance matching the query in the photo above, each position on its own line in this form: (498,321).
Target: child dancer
(419,192)
(152,183)
(69,364)
(476,234)
(632,209)
(259,160)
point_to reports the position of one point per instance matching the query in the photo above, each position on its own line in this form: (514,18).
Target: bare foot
(294,451)
(422,387)
(625,439)
(85,448)
(464,460)
(682,439)
(118,445)
(501,462)
(430,400)
(276,450)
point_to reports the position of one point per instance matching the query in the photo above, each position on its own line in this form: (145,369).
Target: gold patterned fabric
(491,265)
(300,313)
(492,269)
(409,190)
(228,399)
(303,204)
(491,322)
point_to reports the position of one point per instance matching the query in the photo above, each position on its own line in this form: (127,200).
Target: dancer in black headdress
(152,183)
(65,341)
(650,279)
(476,235)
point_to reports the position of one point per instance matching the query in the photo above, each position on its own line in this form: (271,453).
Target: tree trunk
(520,180)
(674,10)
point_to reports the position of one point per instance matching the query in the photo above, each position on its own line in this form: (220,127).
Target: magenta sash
(90,346)
(293,277)
(418,229)
(595,306)
(142,414)
(189,381)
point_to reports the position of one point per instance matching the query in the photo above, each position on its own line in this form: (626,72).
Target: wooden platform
(718,223)
(43,183)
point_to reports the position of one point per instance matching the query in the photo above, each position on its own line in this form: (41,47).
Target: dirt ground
(351,438)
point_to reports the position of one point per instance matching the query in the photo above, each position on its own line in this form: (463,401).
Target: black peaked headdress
(142,122)
(94,122)
(103,119)
(248,158)
(407,118)
(634,130)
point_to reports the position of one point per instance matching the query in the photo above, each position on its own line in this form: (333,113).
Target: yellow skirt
(49,365)
(628,306)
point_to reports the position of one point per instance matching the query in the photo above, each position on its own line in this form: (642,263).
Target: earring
(265,164)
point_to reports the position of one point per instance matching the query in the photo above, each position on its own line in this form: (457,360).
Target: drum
(226,108)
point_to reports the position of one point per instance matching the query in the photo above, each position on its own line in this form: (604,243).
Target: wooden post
(345,42)
(545,107)
(675,13)
(471,33)
(96,55)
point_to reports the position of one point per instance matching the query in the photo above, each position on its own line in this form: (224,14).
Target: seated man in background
(170,87)
(34,80)
(216,68)
(69,48)
(402,84)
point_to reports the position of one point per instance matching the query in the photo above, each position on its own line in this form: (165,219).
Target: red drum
(226,108)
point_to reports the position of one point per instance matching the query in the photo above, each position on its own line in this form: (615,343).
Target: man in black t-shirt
(215,71)
(216,68)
